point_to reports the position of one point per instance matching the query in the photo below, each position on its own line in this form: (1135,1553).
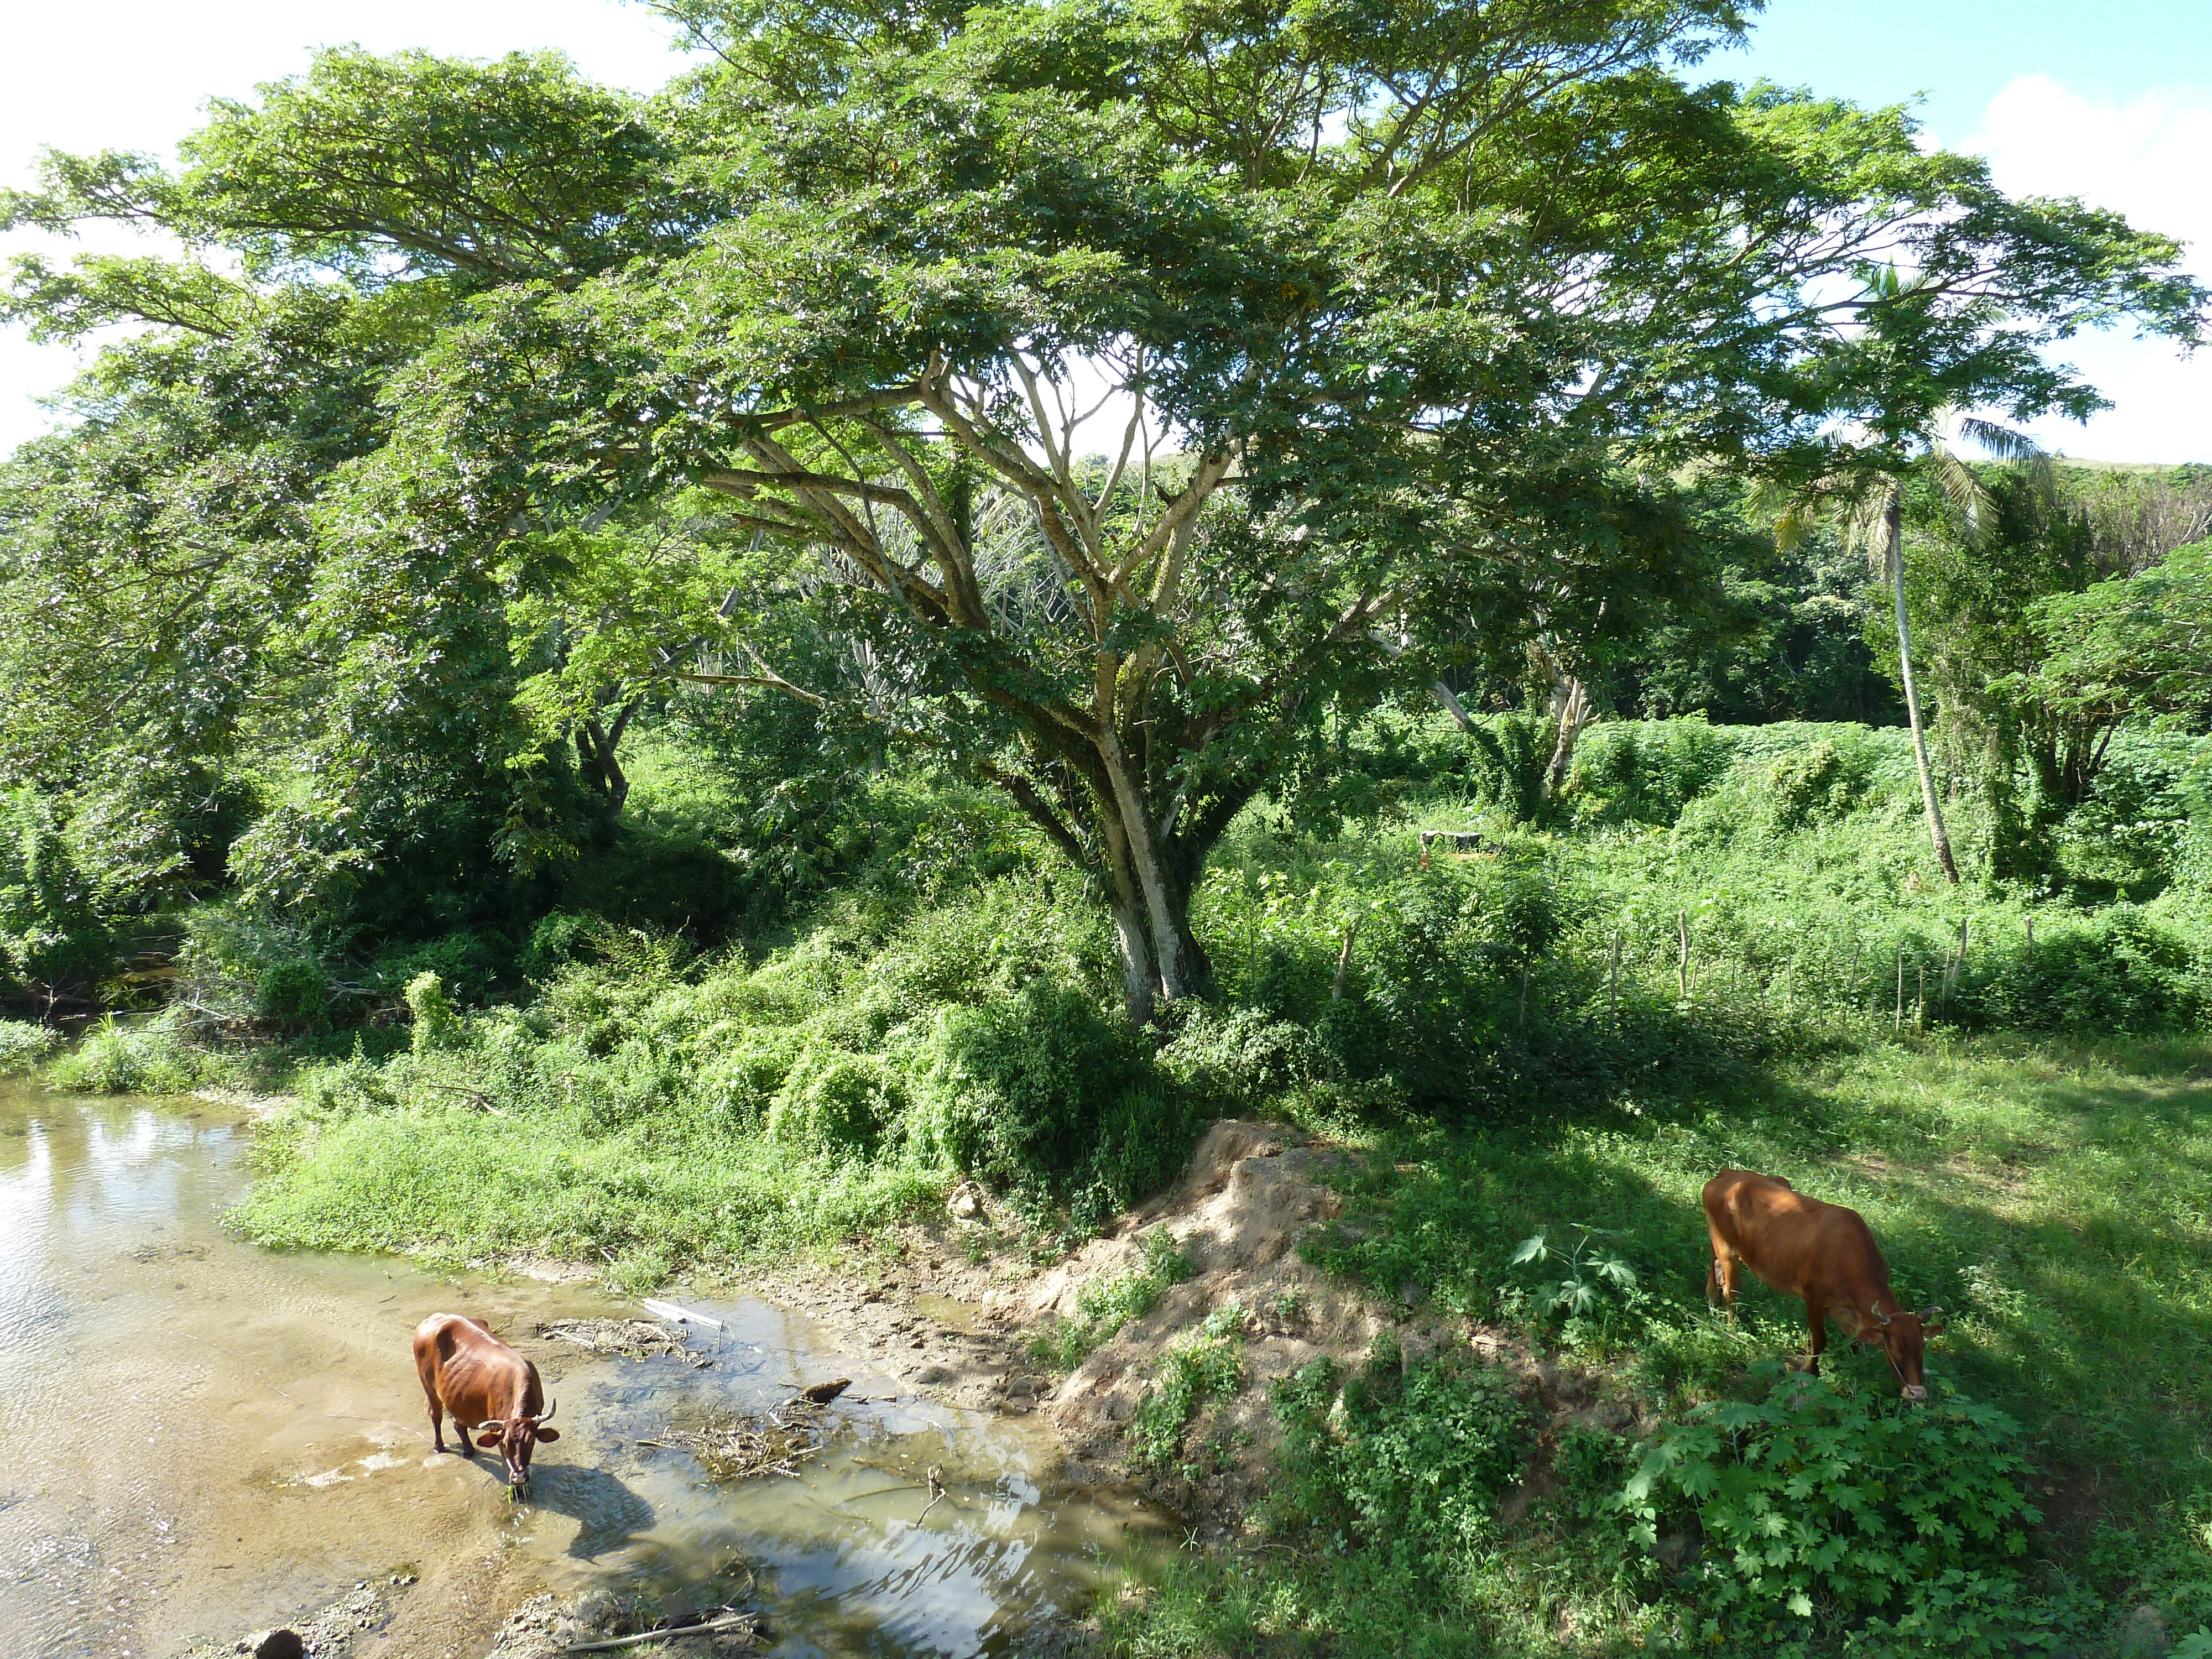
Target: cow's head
(516,1437)
(1903,1337)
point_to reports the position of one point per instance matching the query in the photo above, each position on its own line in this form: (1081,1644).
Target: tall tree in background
(1866,500)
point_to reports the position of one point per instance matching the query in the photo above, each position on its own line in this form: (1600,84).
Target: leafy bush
(240,965)
(1587,1286)
(52,936)
(1204,1366)
(741,1081)
(1240,1058)
(835,1104)
(23,1044)
(436,1024)
(152,1059)
(1824,782)
(1506,761)
(2121,971)
(1015,1093)
(1411,1464)
(1643,772)
(1811,1499)
(295,995)
(466,962)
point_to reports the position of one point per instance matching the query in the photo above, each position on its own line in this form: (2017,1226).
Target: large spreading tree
(1125,391)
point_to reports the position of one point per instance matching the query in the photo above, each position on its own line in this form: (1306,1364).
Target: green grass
(24,1044)
(455,1184)
(2055,1198)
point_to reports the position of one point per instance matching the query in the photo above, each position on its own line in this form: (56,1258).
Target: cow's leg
(1722,1279)
(438,1425)
(1818,1314)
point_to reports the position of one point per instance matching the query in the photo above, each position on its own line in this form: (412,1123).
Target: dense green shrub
(1813,1501)
(435,1023)
(23,1044)
(238,964)
(1643,772)
(467,964)
(1238,1059)
(836,1104)
(1506,759)
(1207,1364)
(155,1058)
(1411,1464)
(53,940)
(2120,970)
(1824,782)
(1014,1093)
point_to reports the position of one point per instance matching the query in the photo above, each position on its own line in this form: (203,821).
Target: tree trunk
(1894,558)
(1572,708)
(1456,709)
(1165,922)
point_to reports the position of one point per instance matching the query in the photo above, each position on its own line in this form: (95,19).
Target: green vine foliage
(1410,1461)
(1814,1500)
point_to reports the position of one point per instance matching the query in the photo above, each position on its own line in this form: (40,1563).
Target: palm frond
(2001,443)
(1969,496)
(1865,521)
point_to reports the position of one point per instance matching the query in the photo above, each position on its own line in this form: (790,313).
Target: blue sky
(1962,54)
(2111,100)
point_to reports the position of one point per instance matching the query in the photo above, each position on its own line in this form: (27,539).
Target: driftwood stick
(731,1622)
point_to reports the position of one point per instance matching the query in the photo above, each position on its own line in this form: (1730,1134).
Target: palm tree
(1864,493)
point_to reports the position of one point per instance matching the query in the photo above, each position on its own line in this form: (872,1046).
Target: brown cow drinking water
(468,1371)
(1822,1253)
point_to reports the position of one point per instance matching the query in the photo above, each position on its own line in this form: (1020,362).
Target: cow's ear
(1932,1321)
(491,1439)
(549,1434)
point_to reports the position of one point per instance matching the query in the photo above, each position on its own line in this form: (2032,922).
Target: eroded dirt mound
(1254,1192)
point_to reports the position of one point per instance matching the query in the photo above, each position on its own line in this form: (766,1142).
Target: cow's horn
(551,1406)
(488,1424)
(1879,1315)
(1928,1315)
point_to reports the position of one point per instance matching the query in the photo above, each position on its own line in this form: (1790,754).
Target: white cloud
(2150,158)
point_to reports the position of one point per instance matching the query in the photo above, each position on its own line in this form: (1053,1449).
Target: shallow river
(199,1437)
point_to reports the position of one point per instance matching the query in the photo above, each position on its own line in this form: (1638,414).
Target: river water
(199,1437)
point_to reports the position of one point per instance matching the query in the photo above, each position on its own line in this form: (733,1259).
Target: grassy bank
(2055,1198)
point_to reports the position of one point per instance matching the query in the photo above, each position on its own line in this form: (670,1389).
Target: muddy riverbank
(199,1437)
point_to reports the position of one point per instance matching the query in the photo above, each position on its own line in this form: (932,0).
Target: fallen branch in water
(681,1316)
(739,1447)
(735,1619)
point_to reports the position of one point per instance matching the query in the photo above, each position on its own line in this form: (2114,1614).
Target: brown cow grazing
(468,1371)
(1822,1253)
